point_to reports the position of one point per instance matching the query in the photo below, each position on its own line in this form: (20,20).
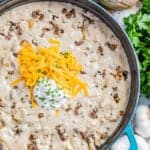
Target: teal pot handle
(130,134)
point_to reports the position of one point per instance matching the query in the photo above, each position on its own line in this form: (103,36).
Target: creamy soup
(68,119)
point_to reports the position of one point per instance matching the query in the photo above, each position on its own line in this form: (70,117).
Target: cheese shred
(38,62)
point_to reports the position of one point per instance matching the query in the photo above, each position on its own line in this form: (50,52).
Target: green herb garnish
(138,29)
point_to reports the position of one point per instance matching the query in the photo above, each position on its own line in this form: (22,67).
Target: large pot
(124,126)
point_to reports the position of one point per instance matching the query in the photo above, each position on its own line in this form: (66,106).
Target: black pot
(100,12)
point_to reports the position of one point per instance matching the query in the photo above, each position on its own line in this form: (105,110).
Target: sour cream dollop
(48,94)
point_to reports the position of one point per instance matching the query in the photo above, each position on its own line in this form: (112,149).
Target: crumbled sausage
(16,118)
(103,73)
(85,53)
(13,105)
(54,17)
(100,49)
(112,119)
(114,88)
(15,87)
(2,34)
(2,103)
(84,135)
(118,73)
(121,113)
(61,132)
(104,86)
(69,13)
(104,135)
(82,72)
(98,72)
(56,29)
(46,29)
(9,36)
(78,43)
(43,31)
(86,21)
(125,74)
(112,46)
(32,146)
(41,115)
(77,109)
(15,27)
(23,42)
(18,131)
(64,11)
(11,72)
(38,15)
(76,130)
(2,123)
(32,137)
(15,54)
(93,113)
(116,98)
(13,64)
(34,42)
(68,108)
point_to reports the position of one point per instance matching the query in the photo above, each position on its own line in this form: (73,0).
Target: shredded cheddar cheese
(57,112)
(30,23)
(63,67)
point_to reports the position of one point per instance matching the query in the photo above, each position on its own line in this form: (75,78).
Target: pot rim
(104,15)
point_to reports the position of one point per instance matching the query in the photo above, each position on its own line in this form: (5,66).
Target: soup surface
(86,107)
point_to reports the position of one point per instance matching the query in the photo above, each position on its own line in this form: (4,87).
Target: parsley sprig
(138,29)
